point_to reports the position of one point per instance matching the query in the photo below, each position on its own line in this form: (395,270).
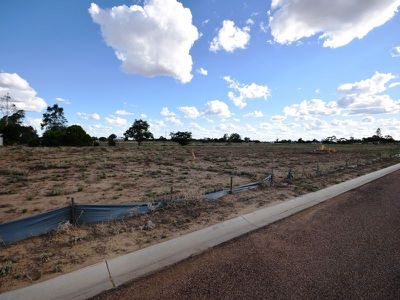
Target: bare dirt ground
(346,248)
(37,179)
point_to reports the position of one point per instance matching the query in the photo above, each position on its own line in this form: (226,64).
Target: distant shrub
(54,137)
(111,142)
(75,135)
(181,137)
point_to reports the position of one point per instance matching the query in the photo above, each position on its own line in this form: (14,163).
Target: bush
(53,137)
(71,136)
(181,137)
(76,136)
(111,142)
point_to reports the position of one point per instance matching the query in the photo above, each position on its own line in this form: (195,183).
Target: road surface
(345,248)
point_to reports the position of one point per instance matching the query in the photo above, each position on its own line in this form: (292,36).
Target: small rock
(149,225)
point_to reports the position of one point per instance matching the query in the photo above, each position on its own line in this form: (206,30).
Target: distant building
(1,139)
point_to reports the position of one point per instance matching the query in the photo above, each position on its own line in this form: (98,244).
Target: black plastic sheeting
(89,214)
(35,225)
(42,223)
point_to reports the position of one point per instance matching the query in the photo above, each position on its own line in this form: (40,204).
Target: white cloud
(264,27)
(242,92)
(230,37)
(116,121)
(254,114)
(394,84)
(22,94)
(365,96)
(190,112)
(166,113)
(174,120)
(151,40)
(202,71)
(122,112)
(143,116)
(278,118)
(85,116)
(337,23)
(217,108)
(35,123)
(311,107)
(395,52)
(62,100)
(250,22)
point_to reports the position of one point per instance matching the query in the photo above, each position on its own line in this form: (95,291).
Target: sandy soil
(346,248)
(71,248)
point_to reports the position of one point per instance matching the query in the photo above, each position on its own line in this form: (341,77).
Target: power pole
(7,107)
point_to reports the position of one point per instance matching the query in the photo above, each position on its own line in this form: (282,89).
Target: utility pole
(7,107)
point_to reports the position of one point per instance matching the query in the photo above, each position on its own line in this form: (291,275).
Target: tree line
(58,133)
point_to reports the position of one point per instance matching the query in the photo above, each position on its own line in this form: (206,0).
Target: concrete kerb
(92,280)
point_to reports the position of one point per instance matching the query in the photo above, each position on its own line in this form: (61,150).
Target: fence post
(272,177)
(73,215)
(231,185)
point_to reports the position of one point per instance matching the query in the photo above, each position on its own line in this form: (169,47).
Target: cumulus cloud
(230,37)
(242,92)
(174,120)
(337,23)
(143,116)
(122,112)
(166,113)
(150,40)
(202,71)
(85,116)
(190,111)
(278,118)
(116,121)
(366,96)
(254,114)
(62,100)
(361,97)
(22,94)
(35,123)
(311,107)
(395,52)
(394,84)
(217,108)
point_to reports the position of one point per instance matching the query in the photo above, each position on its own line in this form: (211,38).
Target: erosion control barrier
(45,222)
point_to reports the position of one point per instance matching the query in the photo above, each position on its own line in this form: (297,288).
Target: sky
(284,69)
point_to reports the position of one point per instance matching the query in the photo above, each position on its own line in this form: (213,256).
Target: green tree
(75,135)
(7,107)
(181,137)
(235,138)
(54,118)
(379,133)
(139,131)
(111,140)
(15,133)
(54,137)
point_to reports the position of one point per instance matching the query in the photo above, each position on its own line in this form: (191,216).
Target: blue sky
(286,69)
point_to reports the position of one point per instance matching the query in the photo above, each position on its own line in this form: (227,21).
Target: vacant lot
(37,179)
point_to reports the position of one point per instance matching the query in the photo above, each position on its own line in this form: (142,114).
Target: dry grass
(126,173)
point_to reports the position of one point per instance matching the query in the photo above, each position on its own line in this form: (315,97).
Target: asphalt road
(345,248)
